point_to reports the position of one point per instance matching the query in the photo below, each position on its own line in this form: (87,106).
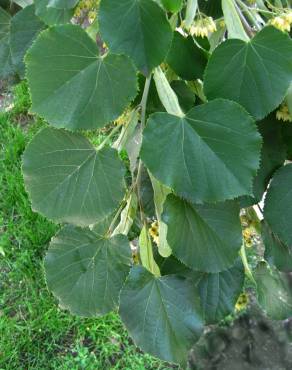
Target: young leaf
(86,272)
(276,252)
(69,181)
(278,205)
(137,28)
(127,216)
(191,11)
(146,252)
(162,315)
(167,96)
(160,194)
(186,59)
(274,292)
(51,15)
(233,22)
(204,237)
(71,85)
(256,74)
(5,52)
(173,6)
(209,155)
(25,26)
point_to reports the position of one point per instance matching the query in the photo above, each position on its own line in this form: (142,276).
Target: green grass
(34,332)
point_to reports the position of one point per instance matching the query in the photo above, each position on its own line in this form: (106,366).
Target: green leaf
(209,155)
(256,74)
(127,216)
(219,292)
(204,237)
(289,99)
(287,136)
(71,85)
(278,205)
(186,59)
(25,26)
(186,97)
(211,8)
(62,4)
(233,22)
(191,11)
(127,132)
(146,252)
(159,196)
(23,3)
(273,156)
(166,95)
(274,292)
(5,53)
(50,15)
(162,315)
(276,252)
(69,181)
(137,28)
(173,6)
(86,272)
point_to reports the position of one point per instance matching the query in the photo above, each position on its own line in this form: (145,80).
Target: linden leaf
(25,26)
(209,155)
(86,272)
(218,291)
(256,74)
(162,314)
(276,252)
(5,52)
(186,59)
(69,181)
(52,15)
(71,85)
(204,237)
(278,205)
(137,28)
(274,292)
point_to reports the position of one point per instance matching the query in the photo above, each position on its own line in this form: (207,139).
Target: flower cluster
(202,27)
(283,113)
(283,21)
(87,8)
(242,302)
(153,231)
(249,232)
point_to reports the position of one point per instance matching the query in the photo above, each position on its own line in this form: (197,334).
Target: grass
(34,332)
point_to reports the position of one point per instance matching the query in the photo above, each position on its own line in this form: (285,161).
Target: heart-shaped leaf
(52,15)
(69,181)
(6,64)
(209,155)
(278,205)
(137,28)
(256,74)
(86,272)
(274,292)
(218,291)
(276,252)
(205,237)
(25,26)
(71,85)
(162,315)
(186,59)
